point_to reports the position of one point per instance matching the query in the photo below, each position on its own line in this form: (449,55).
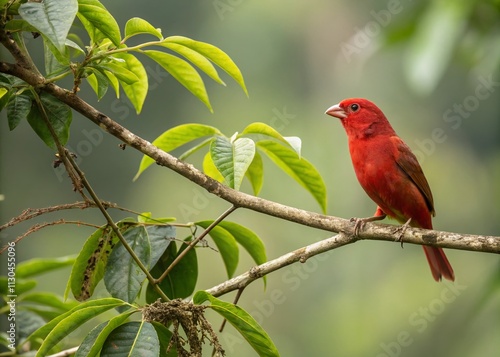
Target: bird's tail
(440,266)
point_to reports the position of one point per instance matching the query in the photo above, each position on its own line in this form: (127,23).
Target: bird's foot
(401,231)
(359,223)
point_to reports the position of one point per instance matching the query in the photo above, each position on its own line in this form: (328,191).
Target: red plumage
(389,172)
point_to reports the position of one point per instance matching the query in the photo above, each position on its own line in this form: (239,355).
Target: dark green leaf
(183,72)
(164,335)
(159,238)
(298,168)
(17,109)
(52,18)
(27,322)
(123,277)
(5,95)
(181,281)
(176,137)
(95,340)
(38,266)
(132,339)
(241,321)
(59,116)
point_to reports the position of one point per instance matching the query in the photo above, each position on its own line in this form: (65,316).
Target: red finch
(389,173)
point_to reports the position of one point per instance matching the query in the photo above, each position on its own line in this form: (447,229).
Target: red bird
(389,173)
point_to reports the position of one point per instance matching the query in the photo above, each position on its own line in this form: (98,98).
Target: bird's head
(360,118)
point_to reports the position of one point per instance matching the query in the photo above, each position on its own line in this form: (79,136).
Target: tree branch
(300,255)
(371,231)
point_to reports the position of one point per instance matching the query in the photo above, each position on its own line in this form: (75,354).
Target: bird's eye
(354,107)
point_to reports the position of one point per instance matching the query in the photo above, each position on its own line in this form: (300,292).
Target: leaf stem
(195,241)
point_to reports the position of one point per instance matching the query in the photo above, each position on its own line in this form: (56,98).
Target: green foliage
(229,160)
(133,257)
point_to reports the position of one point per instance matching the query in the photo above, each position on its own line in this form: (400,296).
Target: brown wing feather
(407,161)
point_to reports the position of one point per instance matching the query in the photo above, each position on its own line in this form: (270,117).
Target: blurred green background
(431,66)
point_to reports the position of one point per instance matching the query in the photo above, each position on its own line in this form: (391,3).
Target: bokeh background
(432,66)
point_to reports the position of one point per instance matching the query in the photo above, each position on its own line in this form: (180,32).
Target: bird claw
(401,230)
(359,224)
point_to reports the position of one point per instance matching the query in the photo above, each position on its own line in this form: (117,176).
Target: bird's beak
(336,111)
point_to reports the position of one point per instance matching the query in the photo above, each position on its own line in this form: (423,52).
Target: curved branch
(371,231)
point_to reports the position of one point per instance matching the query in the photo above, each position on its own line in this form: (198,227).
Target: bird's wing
(407,161)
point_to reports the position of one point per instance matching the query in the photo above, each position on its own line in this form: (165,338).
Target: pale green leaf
(183,72)
(176,137)
(137,26)
(214,54)
(298,168)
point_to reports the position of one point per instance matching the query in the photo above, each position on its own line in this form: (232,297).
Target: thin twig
(115,228)
(299,255)
(194,242)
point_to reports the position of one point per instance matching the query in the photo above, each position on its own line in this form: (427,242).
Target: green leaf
(123,277)
(53,18)
(98,22)
(164,335)
(248,239)
(113,81)
(49,299)
(176,137)
(18,108)
(22,285)
(160,236)
(99,85)
(58,328)
(58,114)
(38,266)
(210,169)
(137,26)
(264,131)
(232,159)
(16,25)
(214,54)
(120,71)
(5,95)
(183,72)
(137,90)
(88,269)
(299,169)
(181,280)
(136,338)
(197,59)
(241,321)
(94,341)
(226,245)
(255,173)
